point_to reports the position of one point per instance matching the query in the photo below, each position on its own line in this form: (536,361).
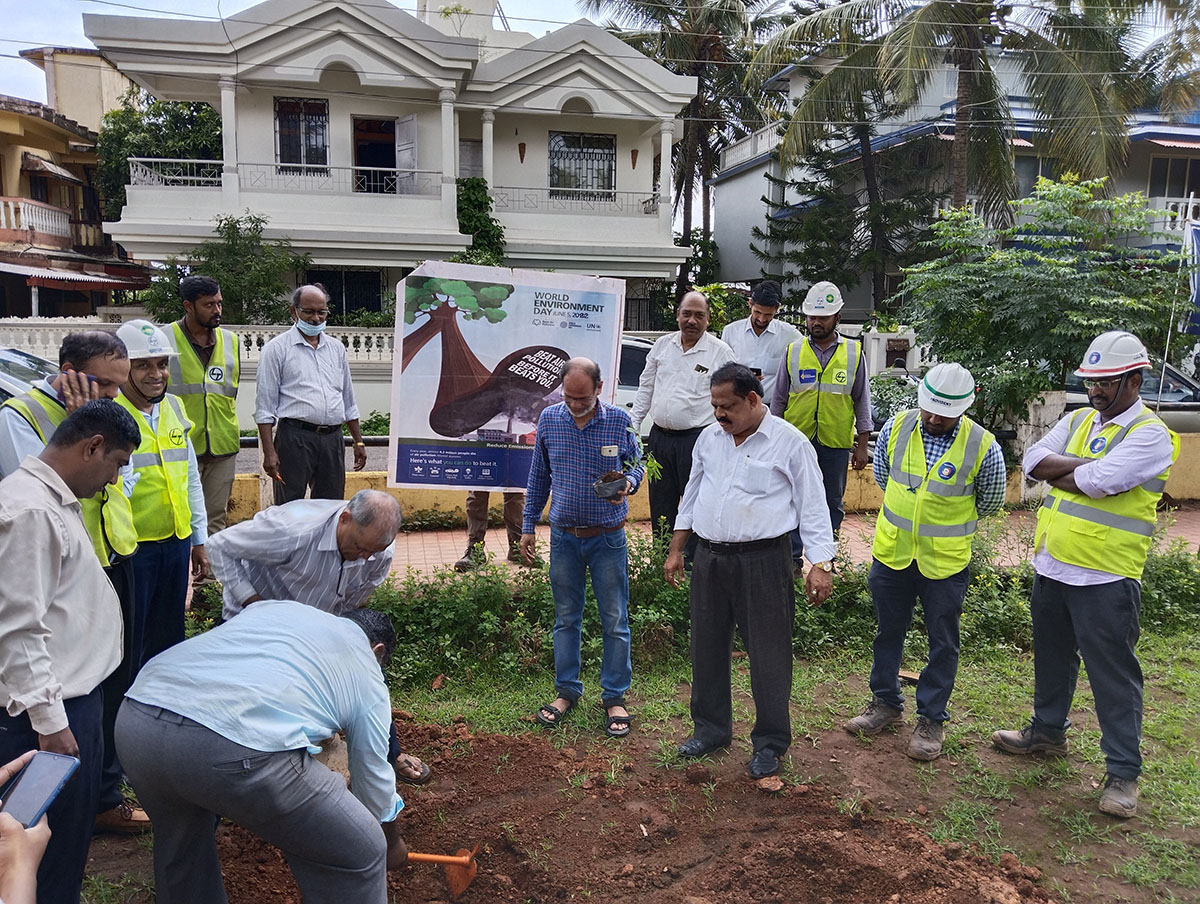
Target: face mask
(310,329)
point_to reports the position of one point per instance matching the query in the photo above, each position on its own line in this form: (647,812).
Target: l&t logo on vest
(1097,445)
(175,436)
(946,470)
(216,374)
(839,377)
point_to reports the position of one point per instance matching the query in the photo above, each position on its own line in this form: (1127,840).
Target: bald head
(692,318)
(368,524)
(583,365)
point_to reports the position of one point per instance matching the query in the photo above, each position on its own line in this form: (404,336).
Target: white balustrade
(512,199)
(175,173)
(25,214)
(339,180)
(1177,212)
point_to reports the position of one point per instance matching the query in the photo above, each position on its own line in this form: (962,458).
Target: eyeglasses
(324,312)
(1102,384)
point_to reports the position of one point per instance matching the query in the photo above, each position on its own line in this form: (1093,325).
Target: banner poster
(1192,323)
(478,356)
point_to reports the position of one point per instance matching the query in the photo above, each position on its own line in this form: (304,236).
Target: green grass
(127,889)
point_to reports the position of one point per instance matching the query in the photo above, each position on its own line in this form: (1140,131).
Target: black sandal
(616,726)
(551,715)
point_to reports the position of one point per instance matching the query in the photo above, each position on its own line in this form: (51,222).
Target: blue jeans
(895,596)
(835,467)
(73,812)
(607,559)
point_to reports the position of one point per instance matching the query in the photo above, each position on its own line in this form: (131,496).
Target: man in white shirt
(303,396)
(1106,468)
(674,391)
(60,623)
(760,341)
(753,476)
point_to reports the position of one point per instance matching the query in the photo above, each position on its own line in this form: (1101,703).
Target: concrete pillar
(449,196)
(230,189)
(666,175)
(489,120)
(33,302)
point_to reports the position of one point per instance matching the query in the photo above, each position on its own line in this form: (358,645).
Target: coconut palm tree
(1075,62)
(713,41)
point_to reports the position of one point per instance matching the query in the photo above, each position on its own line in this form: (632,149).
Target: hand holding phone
(27,797)
(76,389)
(21,851)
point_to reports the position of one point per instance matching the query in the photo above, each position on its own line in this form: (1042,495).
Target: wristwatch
(826,566)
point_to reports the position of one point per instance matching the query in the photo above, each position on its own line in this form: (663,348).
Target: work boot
(1029,740)
(472,558)
(875,718)
(926,743)
(126,818)
(1120,797)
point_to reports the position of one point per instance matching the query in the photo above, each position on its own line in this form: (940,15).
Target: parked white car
(20,370)
(633,360)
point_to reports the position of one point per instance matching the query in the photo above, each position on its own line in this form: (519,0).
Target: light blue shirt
(284,676)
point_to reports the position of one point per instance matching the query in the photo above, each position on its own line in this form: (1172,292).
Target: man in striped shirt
(325,553)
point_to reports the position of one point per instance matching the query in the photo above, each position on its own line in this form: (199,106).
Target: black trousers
(755,593)
(309,459)
(113,687)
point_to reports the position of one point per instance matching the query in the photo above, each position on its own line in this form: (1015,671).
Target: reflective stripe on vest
(1111,534)
(208,392)
(928,513)
(160,497)
(819,400)
(107,516)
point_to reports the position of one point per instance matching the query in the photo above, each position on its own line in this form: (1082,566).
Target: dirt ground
(607,821)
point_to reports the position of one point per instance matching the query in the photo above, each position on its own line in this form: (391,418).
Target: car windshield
(24,366)
(1175,387)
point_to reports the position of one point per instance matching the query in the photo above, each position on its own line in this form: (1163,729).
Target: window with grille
(582,166)
(302,132)
(1174,177)
(1029,168)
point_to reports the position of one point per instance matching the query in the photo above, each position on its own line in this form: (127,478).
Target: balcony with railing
(761,142)
(286,177)
(508,198)
(35,223)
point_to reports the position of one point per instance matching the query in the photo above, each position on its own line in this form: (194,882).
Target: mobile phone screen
(34,788)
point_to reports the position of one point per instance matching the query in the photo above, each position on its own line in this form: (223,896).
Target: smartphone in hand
(31,791)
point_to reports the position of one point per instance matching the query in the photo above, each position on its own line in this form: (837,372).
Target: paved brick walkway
(425,551)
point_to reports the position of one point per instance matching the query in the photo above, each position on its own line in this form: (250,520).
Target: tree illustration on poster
(469,395)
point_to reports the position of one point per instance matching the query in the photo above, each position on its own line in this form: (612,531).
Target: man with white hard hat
(1106,467)
(940,473)
(167,498)
(821,388)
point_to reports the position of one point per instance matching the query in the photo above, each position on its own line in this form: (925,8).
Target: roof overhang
(72,279)
(32,163)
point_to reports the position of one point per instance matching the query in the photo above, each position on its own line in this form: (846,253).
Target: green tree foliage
(858,214)
(474,300)
(1019,306)
(724,306)
(475,219)
(256,276)
(145,127)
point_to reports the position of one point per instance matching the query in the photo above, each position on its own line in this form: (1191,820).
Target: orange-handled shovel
(460,868)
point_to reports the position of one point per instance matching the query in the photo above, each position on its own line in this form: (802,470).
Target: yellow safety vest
(929,514)
(107,515)
(1112,533)
(819,402)
(208,393)
(160,497)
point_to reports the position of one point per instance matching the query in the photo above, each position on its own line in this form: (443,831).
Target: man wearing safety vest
(204,375)
(1106,467)
(93,365)
(822,389)
(167,499)
(940,473)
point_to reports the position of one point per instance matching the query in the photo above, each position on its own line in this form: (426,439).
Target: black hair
(300,289)
(744,382)
(592,369)
(102,417)
(767,293)
(80,348)
(192,288)
(378,628)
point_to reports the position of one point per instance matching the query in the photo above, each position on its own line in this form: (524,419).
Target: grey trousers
(1101,624)
(216,477)
(186,776)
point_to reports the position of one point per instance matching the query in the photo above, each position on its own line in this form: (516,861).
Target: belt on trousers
(746,546)
(319,429)
(688,432)
(584,533)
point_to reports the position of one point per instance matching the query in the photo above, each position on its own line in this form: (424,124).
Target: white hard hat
(1112,354)
(144,340)
(822,300)
(947,389)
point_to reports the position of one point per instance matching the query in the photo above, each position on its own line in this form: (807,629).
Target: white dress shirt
(763,351)
(1143,454)
(674,388)
(758,490)
(290,552)
(60,620)
(295,380)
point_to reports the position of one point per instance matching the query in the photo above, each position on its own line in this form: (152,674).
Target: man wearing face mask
(1106,468)
(304,397)
(165,494)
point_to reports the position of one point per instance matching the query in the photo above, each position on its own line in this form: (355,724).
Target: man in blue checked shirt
(940,473)
(578,441)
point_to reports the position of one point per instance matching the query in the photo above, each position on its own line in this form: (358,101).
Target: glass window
(1173,177)
(1028,168)
(581,165)
(302,131)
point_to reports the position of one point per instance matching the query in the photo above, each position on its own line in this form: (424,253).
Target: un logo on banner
(839,377)
(176,436)
(1097,445)
(216,374)
(946,470)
